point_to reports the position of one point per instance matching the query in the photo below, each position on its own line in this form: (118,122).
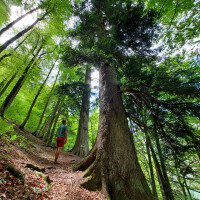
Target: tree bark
(112,164)
(9,99)
(7,84)
(153,184)
(44,127)
(159,172)
(15,21)
(54,125)
(81,147)
(10,54)
(3,82)
(45,107)
(48,133)
(35,99)
(168,190)
(179,178)
(188,190)
(20,34)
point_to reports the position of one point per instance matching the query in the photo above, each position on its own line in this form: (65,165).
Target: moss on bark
(15,172)
(35,168)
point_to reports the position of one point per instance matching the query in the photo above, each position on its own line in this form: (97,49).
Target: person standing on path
(61,139)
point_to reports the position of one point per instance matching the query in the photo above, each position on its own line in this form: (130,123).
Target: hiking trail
(64,182)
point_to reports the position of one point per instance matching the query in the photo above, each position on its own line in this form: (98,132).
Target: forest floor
(64,183)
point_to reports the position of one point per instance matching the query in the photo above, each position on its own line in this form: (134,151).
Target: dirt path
(65,183)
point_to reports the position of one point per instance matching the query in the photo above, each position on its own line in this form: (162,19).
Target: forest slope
(27,149)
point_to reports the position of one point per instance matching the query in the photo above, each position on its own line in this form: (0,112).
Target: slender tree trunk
(48,133)
(7,84)
(20,34)
(112,165)
(10,54)
(81,147)
(35,99)
(179,178)
(45,107)
(159,173)
(188,190)
(164,171)
(160,176)
(153,184)
(17,20)
(198,154)
(44,127)
(9,99)
(54,125)
(3,82)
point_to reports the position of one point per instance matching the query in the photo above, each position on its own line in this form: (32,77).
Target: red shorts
(60,141)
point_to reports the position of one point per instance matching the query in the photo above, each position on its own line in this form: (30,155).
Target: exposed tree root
(93,174)
(112,165)
(87,161)
(112,186)
(35,168)
(96,180)
(15,172)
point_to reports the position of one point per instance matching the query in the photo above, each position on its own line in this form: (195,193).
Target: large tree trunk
(9,99)
(20,34)
(112,164)
(45,107)
(15,21)
(7,84)
(81,147)
(35,99)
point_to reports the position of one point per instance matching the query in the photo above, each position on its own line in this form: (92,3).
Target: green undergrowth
(9,135)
